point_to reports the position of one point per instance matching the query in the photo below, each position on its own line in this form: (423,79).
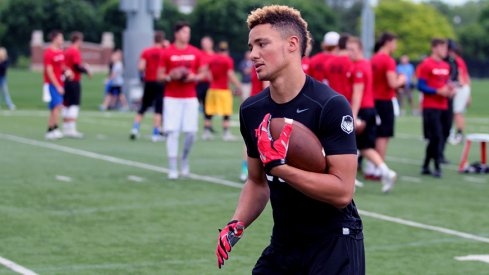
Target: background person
(406,91)
(4,63)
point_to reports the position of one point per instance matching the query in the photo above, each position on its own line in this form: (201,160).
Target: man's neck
(288,85)
(180,45)
(435,57)
(385,50)
(55,47)
(342,52)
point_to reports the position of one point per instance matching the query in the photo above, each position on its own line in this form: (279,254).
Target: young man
(219,99)
(385,83)
(317,229)
(53,89)
(337,70)
(434,75)
(181,68)
(71,103)
(317,62)
(153,89)
(207,50)
(406,92)
(363,109)
(462,96)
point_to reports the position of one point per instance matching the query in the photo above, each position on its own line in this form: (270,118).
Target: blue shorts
(56,98)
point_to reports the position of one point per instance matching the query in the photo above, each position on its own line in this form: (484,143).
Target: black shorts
(152,96)
(115,90)
(72,93)
(385,110)
(202,88)
(433,123)
(339,254)
(366,139)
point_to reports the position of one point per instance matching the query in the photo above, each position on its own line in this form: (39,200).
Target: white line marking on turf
(410,179)
(15,267)
(135,178)
(480,258)
(474,179)
(424,226)
(63,178)
(130,163)
(227,183)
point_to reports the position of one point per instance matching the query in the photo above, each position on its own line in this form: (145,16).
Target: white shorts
(180,114)
(461,99)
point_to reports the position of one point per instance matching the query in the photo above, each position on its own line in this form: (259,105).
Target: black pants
(447,121)
(433,132)
(339,254)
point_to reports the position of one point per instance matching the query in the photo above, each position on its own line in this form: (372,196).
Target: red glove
(228,237)
(273,152)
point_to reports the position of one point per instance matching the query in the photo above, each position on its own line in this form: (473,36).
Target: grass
(103,223)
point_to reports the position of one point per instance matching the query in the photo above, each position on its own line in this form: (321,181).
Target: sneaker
(425,171)
(57,134)
(173,175)
(229,137)
(437,174)
(443,160)
(185,168)
(358,183)
(157,138)
(12,107)
(243,176)
(207,135)
(388,180)
(73,134)
(50,136)
(134,134)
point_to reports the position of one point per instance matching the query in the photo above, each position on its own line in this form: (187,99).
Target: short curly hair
(287,20)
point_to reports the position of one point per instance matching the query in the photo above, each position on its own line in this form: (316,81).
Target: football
(305,150)
(359,126)
(179,73)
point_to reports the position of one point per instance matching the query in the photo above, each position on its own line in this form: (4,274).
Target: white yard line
(213,180)
(135,178)
(475,179)
(410,179)
(15,267)
(480,258)
(63,178)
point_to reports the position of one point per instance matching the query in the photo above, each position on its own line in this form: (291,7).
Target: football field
(103,204)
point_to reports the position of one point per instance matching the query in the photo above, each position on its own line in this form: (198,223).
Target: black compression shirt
(299,219)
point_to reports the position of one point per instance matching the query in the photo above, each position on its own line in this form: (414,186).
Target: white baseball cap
(331,39)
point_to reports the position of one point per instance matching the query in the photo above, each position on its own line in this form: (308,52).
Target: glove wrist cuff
(274,163)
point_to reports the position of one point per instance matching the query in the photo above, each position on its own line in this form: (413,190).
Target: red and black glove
(273,152)
(228,237)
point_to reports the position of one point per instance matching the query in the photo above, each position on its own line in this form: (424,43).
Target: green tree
(474,37)
(415,24)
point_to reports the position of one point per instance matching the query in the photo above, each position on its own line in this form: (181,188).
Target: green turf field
(102,205)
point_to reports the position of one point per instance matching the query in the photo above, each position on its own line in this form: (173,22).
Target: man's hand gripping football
(273,152)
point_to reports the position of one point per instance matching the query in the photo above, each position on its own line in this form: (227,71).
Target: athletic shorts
(56,98)
(385,110)
(152,96)
(72,93)
(115,90)
(366,139)
(201,89)
(338,254)
(219,102)
(180,114)
(461,99)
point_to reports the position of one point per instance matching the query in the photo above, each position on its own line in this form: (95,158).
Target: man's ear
(293,44)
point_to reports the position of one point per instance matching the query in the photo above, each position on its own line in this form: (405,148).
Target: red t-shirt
(256,84)
(306,61)
(55,58)
(338,74)
(206,59)
(462,70)
(219,67)
(73,57)
(174,57)
(381,64)
(362,73)
(317,63)
(436,74)
(152,58)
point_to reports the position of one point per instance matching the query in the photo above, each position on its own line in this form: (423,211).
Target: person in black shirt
(317,229)
(4,63)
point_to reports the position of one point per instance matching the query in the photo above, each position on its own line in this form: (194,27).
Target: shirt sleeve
(251,146)
(337,132)
(163,61)
(77,58)
(230,64)
(358,75)
(390,65)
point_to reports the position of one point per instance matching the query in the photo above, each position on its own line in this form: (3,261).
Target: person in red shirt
(337,70)
(153,88)
(71,102)
(385,83)
(434,75)
(363,109)
(181,68)
(318,61)
(207,47)
(219,99)
(53,89)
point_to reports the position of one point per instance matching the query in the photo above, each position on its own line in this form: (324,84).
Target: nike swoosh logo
(301,110)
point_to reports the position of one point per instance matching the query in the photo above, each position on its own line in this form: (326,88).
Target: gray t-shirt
(117,71)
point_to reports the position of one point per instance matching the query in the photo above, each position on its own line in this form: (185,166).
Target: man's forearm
(253,199)
(52,78)
(356,99)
